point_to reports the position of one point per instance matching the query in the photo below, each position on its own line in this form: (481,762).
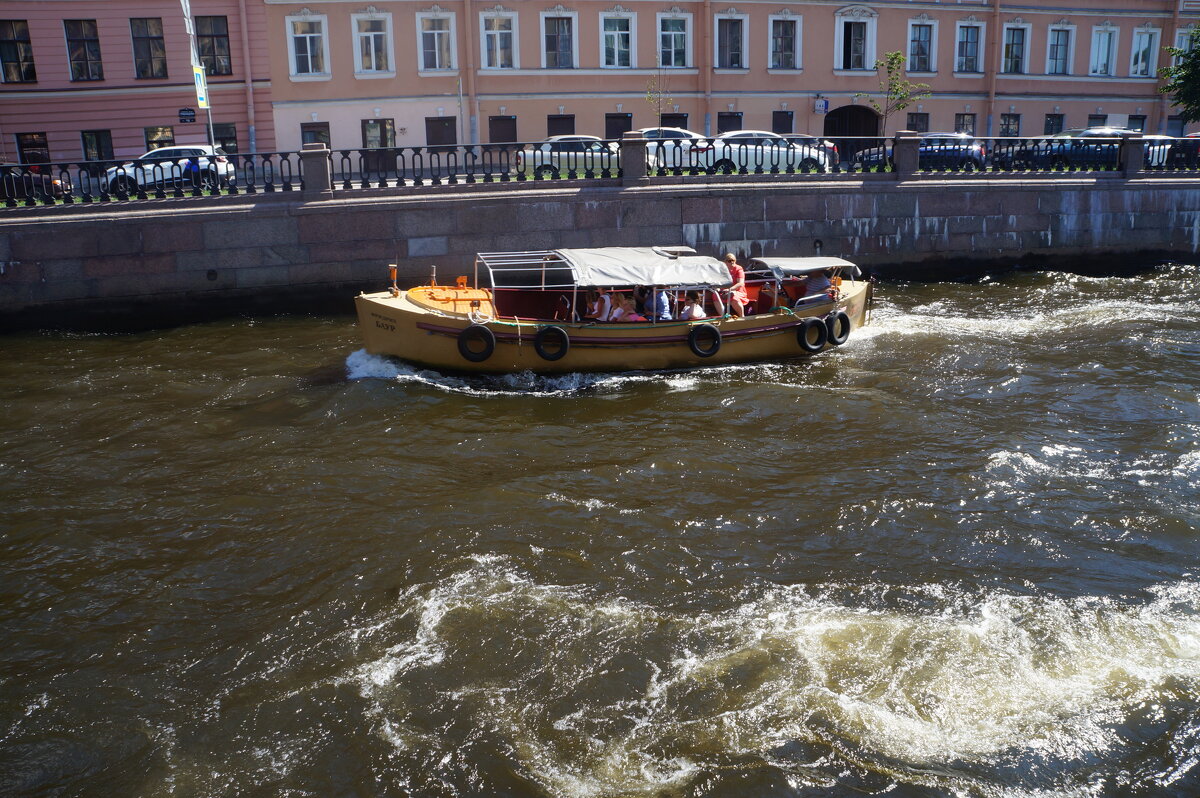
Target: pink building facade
(109,78)
(461,71)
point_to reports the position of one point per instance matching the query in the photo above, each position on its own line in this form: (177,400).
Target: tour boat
(529,314)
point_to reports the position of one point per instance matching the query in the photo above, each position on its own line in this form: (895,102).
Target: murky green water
(957,556)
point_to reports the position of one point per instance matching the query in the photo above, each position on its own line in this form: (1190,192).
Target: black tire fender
(468,335)
(558,338)
(838,326)
(694,337)
(812,334)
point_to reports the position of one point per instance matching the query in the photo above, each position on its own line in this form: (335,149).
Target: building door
(441,131)
(728,121)
(502,129)
(673,120)
(782,122)
(851,128)
(616,124)
(560,125)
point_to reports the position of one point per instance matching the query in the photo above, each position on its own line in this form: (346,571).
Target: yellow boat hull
(425,328)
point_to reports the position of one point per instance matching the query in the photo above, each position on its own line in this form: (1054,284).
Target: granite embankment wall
(155,260)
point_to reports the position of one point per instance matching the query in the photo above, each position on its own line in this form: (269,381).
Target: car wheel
(1059,162)
(123,185)
(209,181)
(545,173)
(810,165)
(724,167)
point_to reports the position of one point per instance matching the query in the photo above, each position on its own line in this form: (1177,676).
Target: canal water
(957,556)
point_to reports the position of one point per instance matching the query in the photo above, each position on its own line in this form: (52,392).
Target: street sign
(821,106)
(201,87)
(187,115)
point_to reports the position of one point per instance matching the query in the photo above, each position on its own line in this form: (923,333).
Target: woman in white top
(599,306)
(692,309)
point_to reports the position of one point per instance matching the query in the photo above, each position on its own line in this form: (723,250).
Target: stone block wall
(269,251)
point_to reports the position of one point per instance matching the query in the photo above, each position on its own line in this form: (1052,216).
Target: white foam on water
(964,678)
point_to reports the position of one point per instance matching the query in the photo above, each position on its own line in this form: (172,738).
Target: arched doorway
(844,125)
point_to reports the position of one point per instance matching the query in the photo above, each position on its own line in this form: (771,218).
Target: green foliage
(658,94)
(1182,81)
(897,92)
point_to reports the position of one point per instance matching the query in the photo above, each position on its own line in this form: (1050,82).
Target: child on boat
(692,308)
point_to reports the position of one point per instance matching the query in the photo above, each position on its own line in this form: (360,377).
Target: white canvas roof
(615,266)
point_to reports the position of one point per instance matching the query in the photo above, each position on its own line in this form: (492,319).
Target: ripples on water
(955,557)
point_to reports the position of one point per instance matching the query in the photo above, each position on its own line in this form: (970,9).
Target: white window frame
(355,36)
(716,53)
(632,18)
(511,16)
(553,13)
(686,16)
(1028,29)
(933,46)
(1114,41)
(1183,38)
(982,45)
(421,16)
(1070,29)
(1155,35)
(797,40)
(855,14)
(291,46)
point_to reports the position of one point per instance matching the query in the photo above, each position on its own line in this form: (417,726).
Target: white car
(763,151)
(564,156)
(674,147)
(184,165)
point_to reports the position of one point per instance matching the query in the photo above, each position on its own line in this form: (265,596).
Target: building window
(1104,51)
(1184,41)
(1014,50)
(308,46)
(212,42)
(16,52)
(920,47)
(784,41)
(97,145)
(437,42)
(728,121)
(1010,125)
(378,133)
(968,55)
(33,148)
(149,51)
(854,45)
(782,122)
(673,41)
(1058,52)
(83,49)
(1054,124)
(1097,120)
(731,45)
(1144,59)
(560,125)
(964,123)
(499,41)
(1137,122)
(617,44)
(158,137)
(1175,126)
(225,137)
(314,133)
(372,44)
(616,124)
(559,38)
(918,122)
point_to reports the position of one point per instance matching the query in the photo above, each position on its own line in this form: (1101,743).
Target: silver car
(763,151)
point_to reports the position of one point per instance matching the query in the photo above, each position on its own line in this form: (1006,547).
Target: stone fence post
(633,158)
(905,155)
(318,181)
(1133,154)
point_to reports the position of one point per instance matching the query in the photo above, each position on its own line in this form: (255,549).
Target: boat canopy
(798,267)
(604,267)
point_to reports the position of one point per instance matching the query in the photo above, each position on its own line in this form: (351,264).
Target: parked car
(831,149)
(761,150)
(560,156)
(1079,148)
(934,151)
(675,147)
(31,181)
(191,164)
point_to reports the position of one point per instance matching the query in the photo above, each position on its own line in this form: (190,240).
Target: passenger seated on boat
(599,306)
(815,288)
(693,308)
(657,307)
(618,307)
(627,311)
